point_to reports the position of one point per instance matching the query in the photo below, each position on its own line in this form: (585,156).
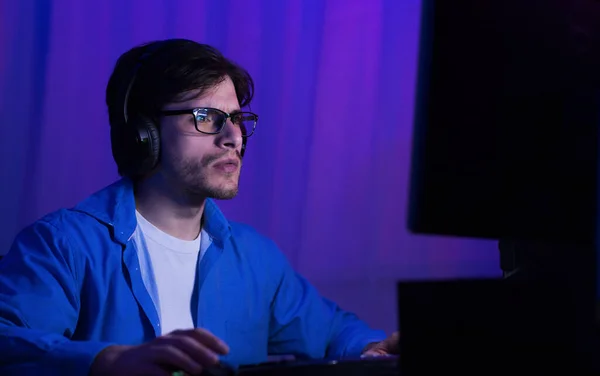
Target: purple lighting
(326,173)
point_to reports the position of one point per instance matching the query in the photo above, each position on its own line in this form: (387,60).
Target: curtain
(325,175)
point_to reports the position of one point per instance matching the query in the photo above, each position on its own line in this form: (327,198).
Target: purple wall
(326,174)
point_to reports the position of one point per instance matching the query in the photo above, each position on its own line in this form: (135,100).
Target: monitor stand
(540,318)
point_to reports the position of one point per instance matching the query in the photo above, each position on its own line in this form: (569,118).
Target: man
(147,276)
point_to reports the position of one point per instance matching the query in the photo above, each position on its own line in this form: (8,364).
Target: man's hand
(389,346)
(189,351)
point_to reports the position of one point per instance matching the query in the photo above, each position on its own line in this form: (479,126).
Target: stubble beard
(195,180)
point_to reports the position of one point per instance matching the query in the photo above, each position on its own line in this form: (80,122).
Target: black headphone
(139,134)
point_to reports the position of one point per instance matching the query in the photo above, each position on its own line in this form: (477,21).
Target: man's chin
(224,195)
(220,193)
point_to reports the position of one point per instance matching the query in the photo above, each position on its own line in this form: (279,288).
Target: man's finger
(393,343)
(209,340)
(173,358)
(194,349)
(375,352)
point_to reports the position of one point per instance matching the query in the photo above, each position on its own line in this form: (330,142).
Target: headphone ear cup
(148,140)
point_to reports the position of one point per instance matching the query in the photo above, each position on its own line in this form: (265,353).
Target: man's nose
(230,136)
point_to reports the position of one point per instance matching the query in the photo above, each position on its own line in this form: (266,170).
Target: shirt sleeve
(305,324)
(39,306)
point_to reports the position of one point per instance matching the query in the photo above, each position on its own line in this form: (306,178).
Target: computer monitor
(506,122)
(505,147)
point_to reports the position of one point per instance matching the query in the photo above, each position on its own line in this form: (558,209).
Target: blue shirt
(71,285)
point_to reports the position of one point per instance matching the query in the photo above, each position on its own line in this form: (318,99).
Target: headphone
(139,135)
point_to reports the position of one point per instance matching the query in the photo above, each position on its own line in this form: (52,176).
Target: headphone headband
(150,51)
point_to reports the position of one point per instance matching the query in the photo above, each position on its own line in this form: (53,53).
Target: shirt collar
(115,207)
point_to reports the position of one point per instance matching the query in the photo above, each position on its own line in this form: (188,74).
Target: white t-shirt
(168,267)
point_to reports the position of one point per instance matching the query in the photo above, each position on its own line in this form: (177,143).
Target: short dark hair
(164,70)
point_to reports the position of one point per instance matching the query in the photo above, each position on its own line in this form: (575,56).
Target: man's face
(202,165)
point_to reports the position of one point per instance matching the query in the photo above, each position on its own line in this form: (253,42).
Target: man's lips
(227,165)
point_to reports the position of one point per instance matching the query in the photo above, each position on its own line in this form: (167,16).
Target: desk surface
(381,366)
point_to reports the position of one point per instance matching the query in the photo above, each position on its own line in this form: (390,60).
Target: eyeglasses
(211,120)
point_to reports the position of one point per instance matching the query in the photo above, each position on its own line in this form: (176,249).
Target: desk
(383,366)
